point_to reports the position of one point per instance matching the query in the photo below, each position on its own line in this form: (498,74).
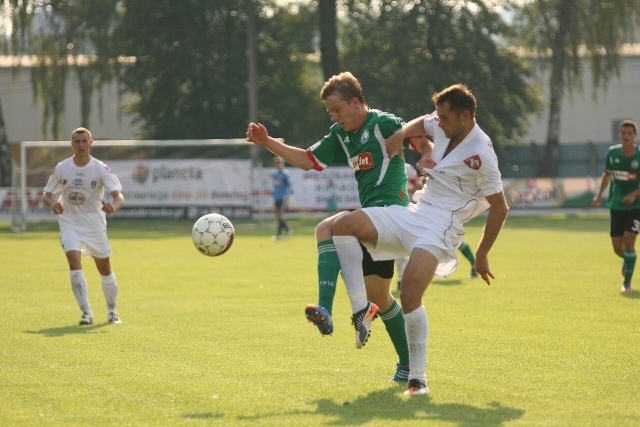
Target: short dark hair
(459,98)
(346,85)
(629,123)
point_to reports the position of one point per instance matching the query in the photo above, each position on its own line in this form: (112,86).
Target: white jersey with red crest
(460,181)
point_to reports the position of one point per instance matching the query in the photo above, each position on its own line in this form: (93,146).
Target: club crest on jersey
(474,162)
(365,136)
(634,164)
(361,161)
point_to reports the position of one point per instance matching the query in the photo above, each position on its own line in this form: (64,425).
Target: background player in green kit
(622,171)
(357,138)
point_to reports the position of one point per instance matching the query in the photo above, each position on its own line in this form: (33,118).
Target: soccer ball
(212,234)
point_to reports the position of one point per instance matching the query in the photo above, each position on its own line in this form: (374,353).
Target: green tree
(190,73)
(568,32)
(405,50)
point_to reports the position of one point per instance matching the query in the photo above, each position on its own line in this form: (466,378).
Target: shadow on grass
(201,415)
(69,330)
(448,282)
(390,405)
(632,294)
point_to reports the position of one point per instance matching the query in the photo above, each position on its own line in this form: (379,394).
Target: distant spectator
(332,197)
(281,192)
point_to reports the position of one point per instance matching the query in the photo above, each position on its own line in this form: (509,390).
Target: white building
(586,119)
(23,115)
(583,118)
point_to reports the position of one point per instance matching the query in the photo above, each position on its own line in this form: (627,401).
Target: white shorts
(96,244)
(423,226)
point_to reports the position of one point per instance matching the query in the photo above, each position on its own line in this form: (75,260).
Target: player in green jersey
(622,171)
(357,138)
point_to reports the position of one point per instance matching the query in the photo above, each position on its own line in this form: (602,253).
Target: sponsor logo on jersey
(625,176)
(77,182)
(474,162)
(76,198)
(361,161)
(365,136)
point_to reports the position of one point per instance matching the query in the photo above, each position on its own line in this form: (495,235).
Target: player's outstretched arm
(258,134)
(414,128)
(495,220)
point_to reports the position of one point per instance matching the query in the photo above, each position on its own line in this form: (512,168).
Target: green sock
(467,252)
(629,265)
(394,322)
(328,270)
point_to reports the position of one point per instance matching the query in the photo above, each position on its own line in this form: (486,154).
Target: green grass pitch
(223,341)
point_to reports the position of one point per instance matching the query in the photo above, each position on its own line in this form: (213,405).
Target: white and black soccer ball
(212,234)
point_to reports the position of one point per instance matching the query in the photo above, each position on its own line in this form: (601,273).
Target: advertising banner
(192,188)
(309,189)
(184,182)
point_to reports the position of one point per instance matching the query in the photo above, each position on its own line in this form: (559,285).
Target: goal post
(160,178)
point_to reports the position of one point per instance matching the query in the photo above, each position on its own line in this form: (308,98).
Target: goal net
(160,178)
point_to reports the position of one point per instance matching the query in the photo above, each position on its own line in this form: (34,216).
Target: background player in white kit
(80,181)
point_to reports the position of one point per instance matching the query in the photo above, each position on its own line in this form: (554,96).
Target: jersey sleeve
(109,179)
(327,151)
(489,178)
(608,163)
(430,123)
(54,181)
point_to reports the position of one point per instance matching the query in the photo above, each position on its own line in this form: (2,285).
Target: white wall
(584,119)
(23,117)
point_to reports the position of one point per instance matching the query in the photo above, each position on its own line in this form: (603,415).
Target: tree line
(186,65)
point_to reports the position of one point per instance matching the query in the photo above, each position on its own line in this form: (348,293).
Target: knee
(344,225)
(324,230)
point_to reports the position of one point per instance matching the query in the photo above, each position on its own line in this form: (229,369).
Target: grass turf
(223,341)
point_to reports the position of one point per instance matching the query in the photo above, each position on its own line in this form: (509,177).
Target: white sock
(417,329)
(80,290)
(350,256)
(110,290)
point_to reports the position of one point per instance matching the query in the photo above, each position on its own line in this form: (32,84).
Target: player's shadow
(448,282)
(632,294)
(389,405)
(69,330)
(201,415)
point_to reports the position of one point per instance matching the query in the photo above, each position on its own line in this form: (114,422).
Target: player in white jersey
(414,183)
(464,180)
(75,192)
